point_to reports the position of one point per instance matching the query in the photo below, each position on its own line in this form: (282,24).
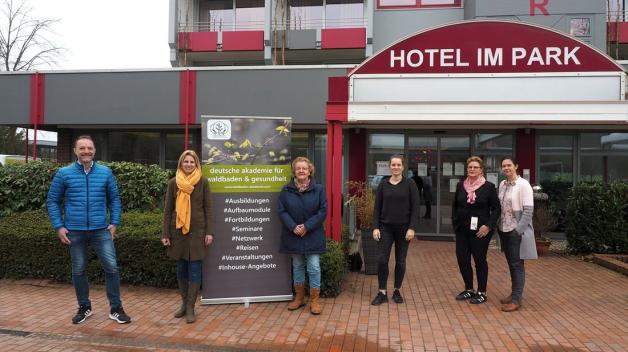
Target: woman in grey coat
(515,229)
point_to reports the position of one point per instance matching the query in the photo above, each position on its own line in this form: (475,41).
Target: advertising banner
(246,161)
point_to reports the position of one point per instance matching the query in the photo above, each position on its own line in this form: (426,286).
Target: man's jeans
(102,243)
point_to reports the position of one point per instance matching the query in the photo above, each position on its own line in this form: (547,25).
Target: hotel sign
(487,47)
(485,57)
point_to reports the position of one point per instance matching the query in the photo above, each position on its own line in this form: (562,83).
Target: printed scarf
(471,187)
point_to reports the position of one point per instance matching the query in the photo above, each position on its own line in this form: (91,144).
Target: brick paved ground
(569,305)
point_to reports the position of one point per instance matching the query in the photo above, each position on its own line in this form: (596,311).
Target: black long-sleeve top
(396,204)
(486,207)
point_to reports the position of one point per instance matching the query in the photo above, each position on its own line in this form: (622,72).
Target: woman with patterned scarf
(187,228)
(475,212)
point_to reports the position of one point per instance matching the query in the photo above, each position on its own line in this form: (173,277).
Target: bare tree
(24,40)
(24,45)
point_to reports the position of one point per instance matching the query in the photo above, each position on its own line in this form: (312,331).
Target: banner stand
(247,162)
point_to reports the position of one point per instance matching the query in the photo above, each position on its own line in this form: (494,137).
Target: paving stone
(569,305)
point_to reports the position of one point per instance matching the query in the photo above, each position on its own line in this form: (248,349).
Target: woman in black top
(395,219)
(475,212)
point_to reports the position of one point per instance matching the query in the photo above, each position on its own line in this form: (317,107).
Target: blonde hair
(300,159)
(476,159)
(193,155)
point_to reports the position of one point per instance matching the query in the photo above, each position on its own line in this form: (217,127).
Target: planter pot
(369,250)
(542,247)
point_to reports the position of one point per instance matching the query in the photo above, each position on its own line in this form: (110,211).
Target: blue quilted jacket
(85,198)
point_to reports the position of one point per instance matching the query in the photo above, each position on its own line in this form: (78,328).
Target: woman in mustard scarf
(187,228)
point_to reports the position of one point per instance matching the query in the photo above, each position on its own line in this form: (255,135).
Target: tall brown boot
(299,298)
(183,291)
(315,304)
(191,301)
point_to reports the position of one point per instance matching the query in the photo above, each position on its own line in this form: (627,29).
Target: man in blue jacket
(87,190)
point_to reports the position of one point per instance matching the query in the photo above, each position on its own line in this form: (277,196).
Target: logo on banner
(218,129)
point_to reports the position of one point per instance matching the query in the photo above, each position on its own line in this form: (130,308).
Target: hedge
(30,249)
(25,186)
(597,218)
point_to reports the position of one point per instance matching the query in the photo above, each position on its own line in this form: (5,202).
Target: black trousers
(392,234)
(469,245)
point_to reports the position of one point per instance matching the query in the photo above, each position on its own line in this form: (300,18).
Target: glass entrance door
(453,152)
(437,163)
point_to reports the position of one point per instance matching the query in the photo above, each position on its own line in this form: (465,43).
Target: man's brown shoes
(510,307)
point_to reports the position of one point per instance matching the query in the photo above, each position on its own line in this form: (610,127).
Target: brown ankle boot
(510,307)
(315,304)
(506,300)
(299,297)
(183,291)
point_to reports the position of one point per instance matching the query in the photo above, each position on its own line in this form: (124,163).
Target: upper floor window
(249,15)
(317,14)
(220,16)
(230,15)
(395,4)
(306,14)
(344,13)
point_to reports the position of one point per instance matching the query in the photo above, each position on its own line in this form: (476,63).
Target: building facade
(313,60)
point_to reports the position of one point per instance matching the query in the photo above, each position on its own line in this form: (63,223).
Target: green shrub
(558,189)
(141,187)
(333,269)
(25,186)
(30,249)
(597,218)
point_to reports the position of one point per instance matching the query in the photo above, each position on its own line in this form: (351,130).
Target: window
(174,147)
(306,14)
(344,13)
(492,147)
(320,158)
(249,15)
(380,148)
(137,147)
(580,27)
(603,156)
(220,15)
(384,4)
(556,158)
(299,145)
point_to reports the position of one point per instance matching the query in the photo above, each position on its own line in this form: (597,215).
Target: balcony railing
(291,24)
(299,23)
(222,26)
(616,16)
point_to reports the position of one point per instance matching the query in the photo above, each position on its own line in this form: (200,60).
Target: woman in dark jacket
(302,210)
(395,220)
(474,216)
(187,228)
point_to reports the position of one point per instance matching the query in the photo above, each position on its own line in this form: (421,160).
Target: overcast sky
(109,34)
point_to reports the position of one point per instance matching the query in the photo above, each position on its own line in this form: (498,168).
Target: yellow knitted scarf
(186,184)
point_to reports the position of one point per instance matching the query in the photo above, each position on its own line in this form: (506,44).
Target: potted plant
(543,220)
(363,199)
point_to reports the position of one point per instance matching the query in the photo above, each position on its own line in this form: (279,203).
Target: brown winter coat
(192,245)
